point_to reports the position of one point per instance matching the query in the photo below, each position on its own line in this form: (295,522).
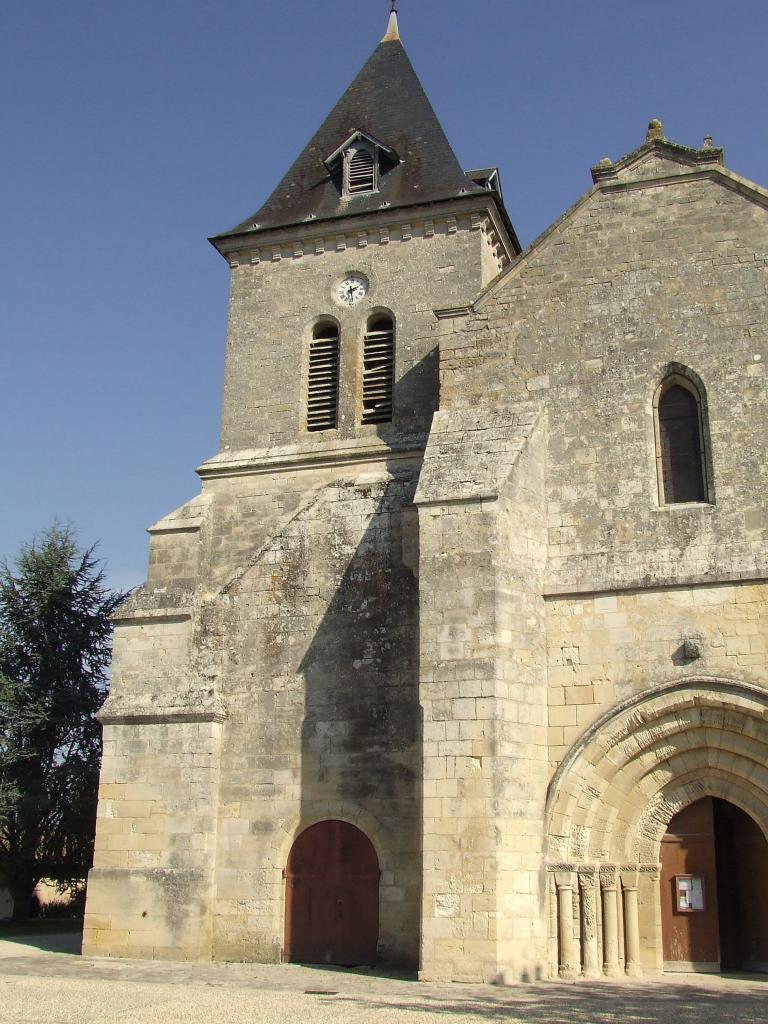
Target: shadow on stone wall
(361,735)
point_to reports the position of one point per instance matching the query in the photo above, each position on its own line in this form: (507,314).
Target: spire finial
(393,30)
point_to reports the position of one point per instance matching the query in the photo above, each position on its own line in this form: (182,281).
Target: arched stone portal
(612,798)
(332,897)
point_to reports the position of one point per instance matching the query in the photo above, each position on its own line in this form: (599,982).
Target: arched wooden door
(332,897)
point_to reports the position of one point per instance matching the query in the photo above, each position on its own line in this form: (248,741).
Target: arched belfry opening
(332,897)
(714,890)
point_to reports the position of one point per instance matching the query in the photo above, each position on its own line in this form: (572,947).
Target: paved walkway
(38,986)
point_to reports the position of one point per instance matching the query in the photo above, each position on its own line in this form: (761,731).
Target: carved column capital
(588,876)
(651,871)
(609,876)
(630,876)
(565,879)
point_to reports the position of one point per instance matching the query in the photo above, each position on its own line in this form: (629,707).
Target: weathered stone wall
(150,889)
(641,275)
(434,260)
(319,678)
(303,640)
(483,696)
(604,648)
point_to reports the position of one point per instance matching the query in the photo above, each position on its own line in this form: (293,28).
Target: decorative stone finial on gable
(708,144)
(655,130)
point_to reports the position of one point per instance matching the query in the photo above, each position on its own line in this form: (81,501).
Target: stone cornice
(721,175)
(120,710)
(643,585)
(155,716)
(608,169)
(313,238)
(260,461)
(152,616)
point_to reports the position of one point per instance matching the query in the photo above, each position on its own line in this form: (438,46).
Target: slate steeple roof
(386,101)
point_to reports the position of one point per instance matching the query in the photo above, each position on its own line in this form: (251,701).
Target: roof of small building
(387,102)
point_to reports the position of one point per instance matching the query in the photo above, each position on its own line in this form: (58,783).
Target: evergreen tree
(55,647)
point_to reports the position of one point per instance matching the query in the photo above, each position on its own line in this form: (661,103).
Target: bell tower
(375,218)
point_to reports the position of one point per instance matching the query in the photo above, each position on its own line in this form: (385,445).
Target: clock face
(352,289)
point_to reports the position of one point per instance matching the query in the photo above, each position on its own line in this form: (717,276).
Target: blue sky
(133,129)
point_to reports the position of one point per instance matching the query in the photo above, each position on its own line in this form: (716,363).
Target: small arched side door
(332,897)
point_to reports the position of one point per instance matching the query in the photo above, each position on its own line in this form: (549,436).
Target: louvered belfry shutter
(361,172)
(378,370)
(681,451)
(323,383)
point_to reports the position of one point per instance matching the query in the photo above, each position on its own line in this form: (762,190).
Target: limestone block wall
(483,697)
(174,553)
(641,276)
(522,729)
(149,891)
(150,655)
(319,678)
(281,285)
(603,648)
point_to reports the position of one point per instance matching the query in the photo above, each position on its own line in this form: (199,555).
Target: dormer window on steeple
(359,163)
(487,178)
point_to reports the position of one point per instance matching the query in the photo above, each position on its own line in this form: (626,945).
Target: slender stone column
(620,925)
(567,966)
(629,882)
(588,885)
(553,929)
(608,884)
(649,899)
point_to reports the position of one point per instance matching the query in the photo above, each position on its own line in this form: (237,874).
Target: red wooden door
(690,935)
(332,897)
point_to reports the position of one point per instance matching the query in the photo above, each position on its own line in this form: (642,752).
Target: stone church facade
(459,660)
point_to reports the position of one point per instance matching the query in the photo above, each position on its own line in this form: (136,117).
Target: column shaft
(567,966)
(588,889)
(608,885)
(629,883)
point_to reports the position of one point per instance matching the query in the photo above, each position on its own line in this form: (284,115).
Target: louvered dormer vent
(361,173)
(359,164)
(378,370)
(323,378)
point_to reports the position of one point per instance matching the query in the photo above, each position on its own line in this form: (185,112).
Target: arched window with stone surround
(681,441)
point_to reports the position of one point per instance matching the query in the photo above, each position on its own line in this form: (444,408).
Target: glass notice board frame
(690,894)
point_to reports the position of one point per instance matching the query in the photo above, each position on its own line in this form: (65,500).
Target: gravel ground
(43,987)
